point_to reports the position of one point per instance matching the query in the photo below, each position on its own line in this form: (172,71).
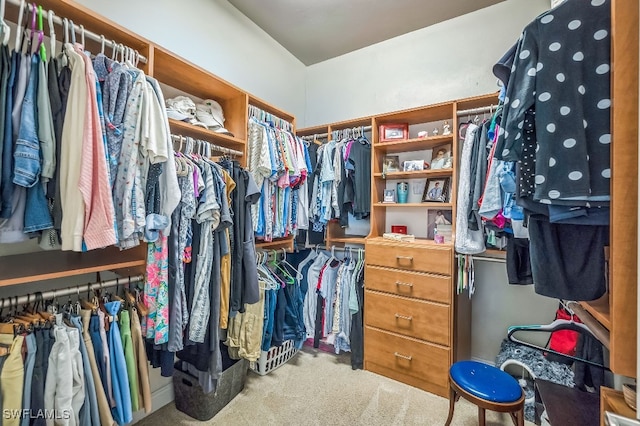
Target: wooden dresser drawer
(410,317)
(406,357)
(410,284)
(413,257)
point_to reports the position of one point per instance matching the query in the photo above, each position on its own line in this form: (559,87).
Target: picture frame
(391,164)
(436,190)
(441,157)
(393,132)
(389,196)
(413,165)
(435,218)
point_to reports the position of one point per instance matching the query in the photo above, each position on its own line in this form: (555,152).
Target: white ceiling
(316,30)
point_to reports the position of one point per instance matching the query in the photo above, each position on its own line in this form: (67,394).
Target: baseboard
(159,398)
(484,361)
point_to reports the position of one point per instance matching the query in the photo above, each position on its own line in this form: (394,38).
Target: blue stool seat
(485,381)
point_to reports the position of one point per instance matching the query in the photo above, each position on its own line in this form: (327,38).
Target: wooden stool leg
(521,416)
(481,412)
(452,403)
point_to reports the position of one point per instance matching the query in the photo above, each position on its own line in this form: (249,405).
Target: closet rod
(214,147)
(78,30)
(255,111)
(71,290)
(324,135)
(489,259)
(480,110)
(601,333)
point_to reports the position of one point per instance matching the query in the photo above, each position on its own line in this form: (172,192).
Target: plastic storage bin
(274,358)
(191,400)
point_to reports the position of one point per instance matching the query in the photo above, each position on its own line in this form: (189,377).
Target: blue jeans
(270,297)
(26,156)
(27,168)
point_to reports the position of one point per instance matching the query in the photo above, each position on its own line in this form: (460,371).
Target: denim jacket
(26,156)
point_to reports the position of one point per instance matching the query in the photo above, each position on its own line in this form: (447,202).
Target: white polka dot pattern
(546,19)
(557,118)
(575,24)
(600,34)
(575,175)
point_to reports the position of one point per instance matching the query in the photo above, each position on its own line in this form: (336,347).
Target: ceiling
(316,30)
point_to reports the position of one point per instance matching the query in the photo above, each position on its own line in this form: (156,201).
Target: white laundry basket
(274,358)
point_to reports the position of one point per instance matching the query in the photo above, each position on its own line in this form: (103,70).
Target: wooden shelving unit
(600,310)
(186,129)
(613,401)
(415,144)
(423,205)
(277,244)
(414,174)
(47,265)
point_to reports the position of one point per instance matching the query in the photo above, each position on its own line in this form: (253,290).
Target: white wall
(446,61)
(450,60)
(216,36)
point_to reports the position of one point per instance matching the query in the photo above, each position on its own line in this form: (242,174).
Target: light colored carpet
(316,388)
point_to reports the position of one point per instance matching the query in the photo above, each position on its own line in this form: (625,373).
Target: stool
(487,387)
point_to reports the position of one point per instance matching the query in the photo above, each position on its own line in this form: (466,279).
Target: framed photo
(436,190)
(389,196)
(391,164)
(394,132)
(413,165)
(441,157)
(435,218)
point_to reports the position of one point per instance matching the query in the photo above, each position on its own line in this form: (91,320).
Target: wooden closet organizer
(171,71)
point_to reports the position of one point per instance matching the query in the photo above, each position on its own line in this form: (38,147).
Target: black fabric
(478,155)
(315,236)
(59,111)
(360,157)
(152,192)
(37,383)
(318,331)
(518,261)
(562,68)
(586,375)
(502,68)
(567,261)
(190,271)
(357,328)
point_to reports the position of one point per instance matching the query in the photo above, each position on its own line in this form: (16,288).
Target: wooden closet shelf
(613,400)
(186,129)
(417,241)
(39,266)
(600,310)
(280,243)
(346,240)
(424,205)
(416,144)
(414,174)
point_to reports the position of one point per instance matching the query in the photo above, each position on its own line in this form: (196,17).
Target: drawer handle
(404,284)
(407,357)
(404,317)
(409,258)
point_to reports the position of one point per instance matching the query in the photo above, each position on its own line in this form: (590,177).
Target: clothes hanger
(559,324)
(72,31)
(19,34)
(52,35)
(6,30)
(82,36)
